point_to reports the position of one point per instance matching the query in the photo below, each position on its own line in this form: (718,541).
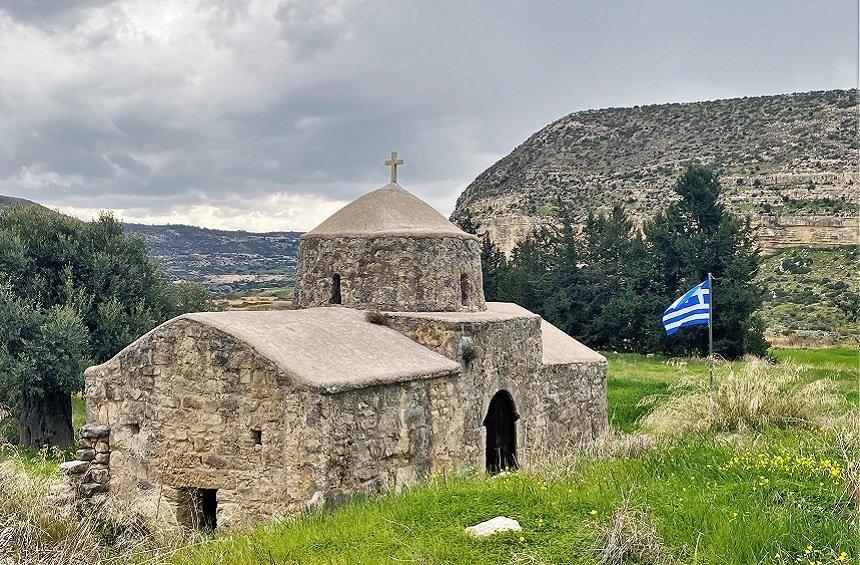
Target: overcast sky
(269,115)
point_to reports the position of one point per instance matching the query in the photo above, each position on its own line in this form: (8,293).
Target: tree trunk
(47,420)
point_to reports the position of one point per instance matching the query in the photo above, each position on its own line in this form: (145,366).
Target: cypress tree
(696,235)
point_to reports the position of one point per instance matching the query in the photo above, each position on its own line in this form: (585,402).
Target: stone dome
(389,250)
(389,210)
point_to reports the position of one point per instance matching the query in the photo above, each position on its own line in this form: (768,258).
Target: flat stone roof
(561,349)
(331,349)
(495,312)
(558,347)
(390,211)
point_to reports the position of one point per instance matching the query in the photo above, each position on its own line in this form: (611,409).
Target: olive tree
(78,292)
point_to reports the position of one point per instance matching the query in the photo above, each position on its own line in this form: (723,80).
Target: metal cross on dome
(393,162)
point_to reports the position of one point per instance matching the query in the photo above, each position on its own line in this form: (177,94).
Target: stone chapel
(390,366)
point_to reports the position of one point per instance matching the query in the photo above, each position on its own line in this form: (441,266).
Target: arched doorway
(501,424)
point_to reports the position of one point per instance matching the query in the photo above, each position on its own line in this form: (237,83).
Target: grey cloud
(311,27)
(130,164)
(45,13)
(226,103)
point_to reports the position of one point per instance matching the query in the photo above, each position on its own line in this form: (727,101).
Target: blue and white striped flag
(692,309)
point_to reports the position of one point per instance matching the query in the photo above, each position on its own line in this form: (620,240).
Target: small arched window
(464,289)
(335,289)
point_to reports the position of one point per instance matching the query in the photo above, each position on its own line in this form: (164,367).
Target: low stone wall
(89,473)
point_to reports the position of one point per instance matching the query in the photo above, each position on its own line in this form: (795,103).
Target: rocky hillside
(225,262)
(790,162)
(812,294)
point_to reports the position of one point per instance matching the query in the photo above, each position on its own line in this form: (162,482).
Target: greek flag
(692,309)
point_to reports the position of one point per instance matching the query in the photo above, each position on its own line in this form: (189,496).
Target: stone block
(213,461)
(191,402)
(102,458)
(62,493)
(316,502)
(89,489)
(101,476)
(93,431)
(85,454)
(74,467)
(102,447)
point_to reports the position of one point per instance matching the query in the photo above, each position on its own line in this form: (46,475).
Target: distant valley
(227,263)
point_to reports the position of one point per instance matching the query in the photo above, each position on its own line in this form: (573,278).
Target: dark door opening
(335,289)
(464,289)
(198,508)
(208,509)
(501,424)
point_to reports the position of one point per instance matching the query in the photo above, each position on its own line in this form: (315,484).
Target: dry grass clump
(631,537)
(526,558)
(750,395)
(376,317)
(565,462)
(36,527)
(468,350)
(847,434)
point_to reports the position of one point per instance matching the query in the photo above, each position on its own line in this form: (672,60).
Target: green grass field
(772,496)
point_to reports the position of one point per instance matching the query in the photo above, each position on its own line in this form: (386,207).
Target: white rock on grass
(496,525)
(74,467)
(317,502)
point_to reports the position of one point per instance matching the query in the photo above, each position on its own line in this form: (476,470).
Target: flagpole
(711,333)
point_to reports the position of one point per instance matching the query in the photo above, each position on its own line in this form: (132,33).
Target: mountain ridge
(788,161)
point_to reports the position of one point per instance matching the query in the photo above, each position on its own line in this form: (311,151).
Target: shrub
(752,395)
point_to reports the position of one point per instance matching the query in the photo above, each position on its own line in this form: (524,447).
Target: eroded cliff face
(789,162)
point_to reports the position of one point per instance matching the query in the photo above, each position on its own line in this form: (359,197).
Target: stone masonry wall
(185,408)
(558,405)
(391,273)
(183,405)
(572,400)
